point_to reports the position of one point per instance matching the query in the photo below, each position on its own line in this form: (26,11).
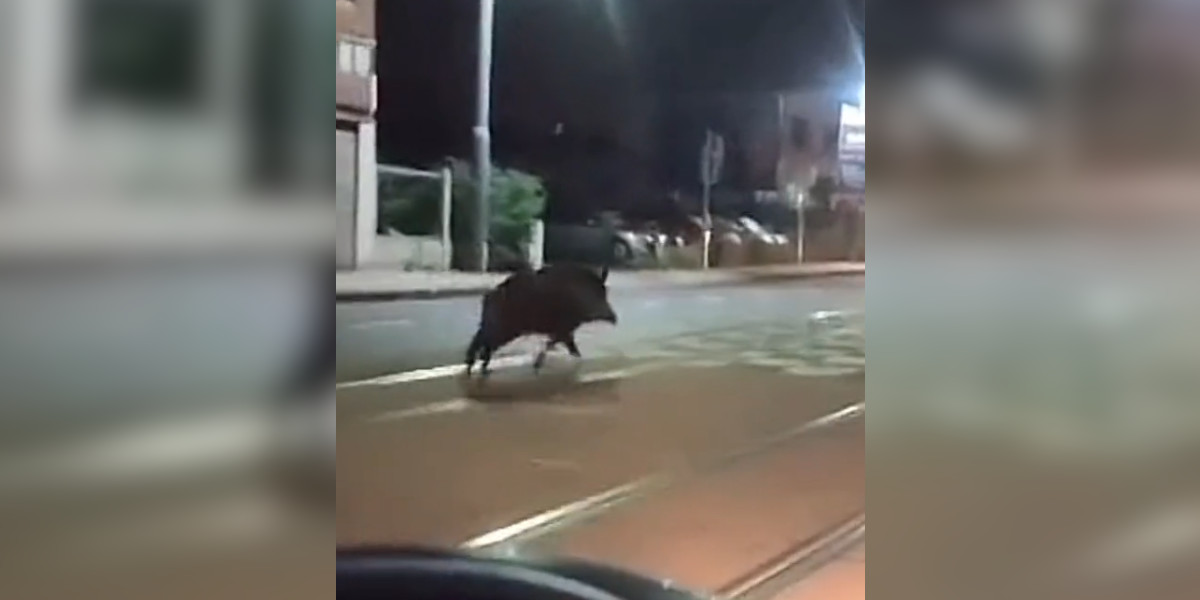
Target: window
(355,58)
(362,60)
(345,58)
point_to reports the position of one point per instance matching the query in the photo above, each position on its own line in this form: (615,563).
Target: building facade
(356,103)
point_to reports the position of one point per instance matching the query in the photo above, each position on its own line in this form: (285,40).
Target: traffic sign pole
(712,158)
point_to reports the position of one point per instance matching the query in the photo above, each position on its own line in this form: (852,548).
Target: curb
(462,292)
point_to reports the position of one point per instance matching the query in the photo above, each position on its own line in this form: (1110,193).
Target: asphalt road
(374,339)
(724,433)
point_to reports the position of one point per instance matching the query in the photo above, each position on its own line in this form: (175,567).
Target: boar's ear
(604,274)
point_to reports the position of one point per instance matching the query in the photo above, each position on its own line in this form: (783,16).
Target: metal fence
(415,207)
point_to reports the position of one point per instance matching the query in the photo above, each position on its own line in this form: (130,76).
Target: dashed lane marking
(456,405)
(502,362)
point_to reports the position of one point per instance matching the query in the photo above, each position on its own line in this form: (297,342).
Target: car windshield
(688,406)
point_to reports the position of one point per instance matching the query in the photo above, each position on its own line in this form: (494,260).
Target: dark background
(629,87)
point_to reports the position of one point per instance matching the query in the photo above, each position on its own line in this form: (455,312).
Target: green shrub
(516,199)
(413,206)
(409,205)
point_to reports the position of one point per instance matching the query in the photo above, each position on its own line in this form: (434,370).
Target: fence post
(447,203)
(537,244)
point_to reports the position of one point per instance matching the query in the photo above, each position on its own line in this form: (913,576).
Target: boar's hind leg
(485,369)
(475,349)
(569,341)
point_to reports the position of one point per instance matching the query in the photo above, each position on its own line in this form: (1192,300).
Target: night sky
(630,81)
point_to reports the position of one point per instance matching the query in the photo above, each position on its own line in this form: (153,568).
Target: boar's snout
(607,315)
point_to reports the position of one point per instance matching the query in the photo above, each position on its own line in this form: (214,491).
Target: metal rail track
(509,540)
(780,572)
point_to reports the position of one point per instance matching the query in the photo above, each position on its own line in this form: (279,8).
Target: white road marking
(616,374)
(532,523)
(388,323)
(816,371)
(652,304)
(437,408)
(705,363)
(710,299)
(520,527)
(502,362)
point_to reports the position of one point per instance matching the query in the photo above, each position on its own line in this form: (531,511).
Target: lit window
(362,60)
(345,57)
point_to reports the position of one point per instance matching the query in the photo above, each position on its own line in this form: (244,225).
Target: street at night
(711,435)
(675,187)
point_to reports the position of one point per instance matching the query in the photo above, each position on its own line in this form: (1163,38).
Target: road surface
(376,338)
(712,446)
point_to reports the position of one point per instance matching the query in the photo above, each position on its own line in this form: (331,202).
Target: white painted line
(536,521)
(705,363)
(652,303)
(607,375)
(710,299)
(389,323)
(437,408)
(841,415)
(502,362)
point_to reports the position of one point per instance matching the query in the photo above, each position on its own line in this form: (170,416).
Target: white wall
(367,213)
(399,251)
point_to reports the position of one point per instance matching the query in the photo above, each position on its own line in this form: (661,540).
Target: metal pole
(447,204)
(800,228)
(708,229)
(482,130)
(706,197)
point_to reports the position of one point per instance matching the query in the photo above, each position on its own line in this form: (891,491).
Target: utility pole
(482,131)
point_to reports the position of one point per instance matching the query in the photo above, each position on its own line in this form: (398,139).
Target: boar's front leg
(568,340)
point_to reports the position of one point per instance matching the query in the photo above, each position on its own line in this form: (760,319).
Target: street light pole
(482,130)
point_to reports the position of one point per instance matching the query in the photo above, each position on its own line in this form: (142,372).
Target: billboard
(852,149)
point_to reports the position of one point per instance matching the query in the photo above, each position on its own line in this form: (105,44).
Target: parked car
(578,243)
(761,233)
(766,246)
(630,246)
(603,240)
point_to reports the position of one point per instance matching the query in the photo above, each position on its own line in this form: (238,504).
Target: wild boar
(553,301)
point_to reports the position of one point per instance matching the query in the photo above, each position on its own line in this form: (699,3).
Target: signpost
(712,159)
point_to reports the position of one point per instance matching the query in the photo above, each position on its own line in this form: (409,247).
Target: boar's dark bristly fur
(553,301)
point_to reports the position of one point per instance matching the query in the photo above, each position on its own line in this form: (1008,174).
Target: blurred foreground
(1034,310)
(165,235)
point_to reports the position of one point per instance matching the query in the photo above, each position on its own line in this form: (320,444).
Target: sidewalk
(379,285)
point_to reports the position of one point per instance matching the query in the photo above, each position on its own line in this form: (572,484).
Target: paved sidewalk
(378,284)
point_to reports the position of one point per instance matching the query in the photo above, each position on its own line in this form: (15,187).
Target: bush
(517,199)
(409,205)
(412,206)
